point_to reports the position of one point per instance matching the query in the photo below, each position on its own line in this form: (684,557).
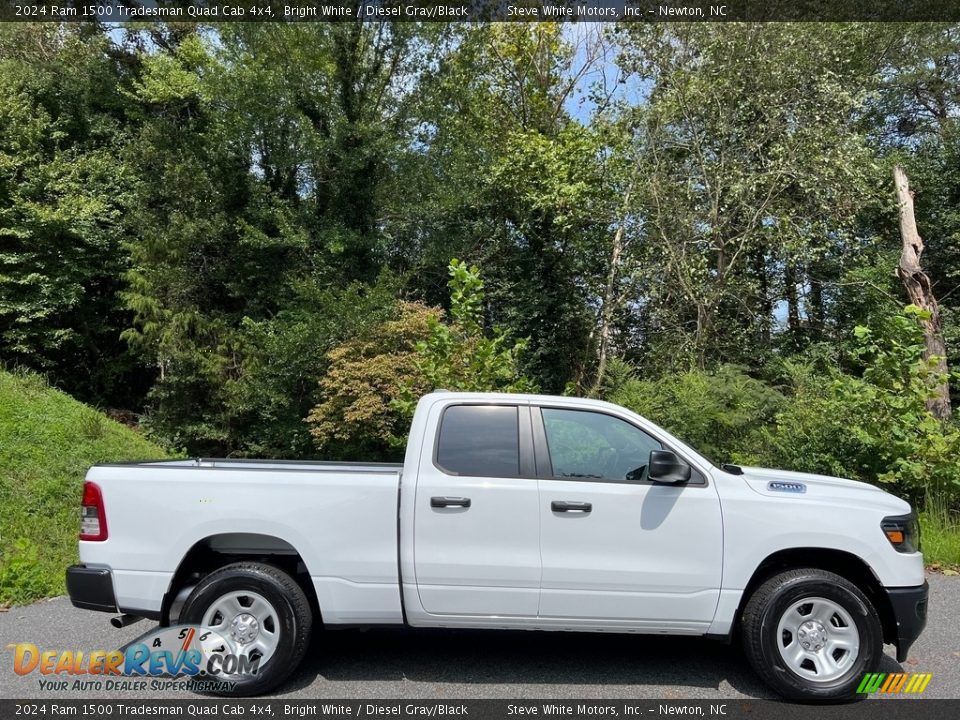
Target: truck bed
(340,518)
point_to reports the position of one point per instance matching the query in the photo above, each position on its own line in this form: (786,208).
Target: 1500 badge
(778,486)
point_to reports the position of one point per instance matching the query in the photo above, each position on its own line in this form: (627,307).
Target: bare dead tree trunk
(920,290)
(609,293)
(606,313)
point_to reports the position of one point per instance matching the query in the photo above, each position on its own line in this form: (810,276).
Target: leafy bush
(720,413)
(813,432)
(919,451)
(285,357)
(22,575)
(875,427)
(357,416)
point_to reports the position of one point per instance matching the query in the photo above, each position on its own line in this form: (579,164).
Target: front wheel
(811,635)
(263,611)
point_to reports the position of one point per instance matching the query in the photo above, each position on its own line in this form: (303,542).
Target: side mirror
(666,467)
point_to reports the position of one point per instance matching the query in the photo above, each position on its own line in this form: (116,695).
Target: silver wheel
(249,620)
(818,639)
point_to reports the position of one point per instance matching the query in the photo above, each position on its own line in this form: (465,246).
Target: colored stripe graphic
(894,683)
(871,682)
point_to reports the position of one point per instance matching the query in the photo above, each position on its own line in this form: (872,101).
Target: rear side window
(479,441)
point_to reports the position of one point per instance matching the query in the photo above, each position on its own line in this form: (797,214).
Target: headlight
(903,532)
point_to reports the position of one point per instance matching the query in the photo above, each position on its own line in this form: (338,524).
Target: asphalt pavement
(438,664)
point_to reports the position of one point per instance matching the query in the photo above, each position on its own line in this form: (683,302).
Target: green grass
(940,536)
(48,440)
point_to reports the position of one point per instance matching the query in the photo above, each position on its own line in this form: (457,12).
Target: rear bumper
(91,588)
(910,613)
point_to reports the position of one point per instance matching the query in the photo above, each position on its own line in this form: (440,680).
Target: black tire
(762,638)
(292,608)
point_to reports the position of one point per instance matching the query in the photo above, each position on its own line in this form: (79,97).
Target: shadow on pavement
(484,657)
(504,657)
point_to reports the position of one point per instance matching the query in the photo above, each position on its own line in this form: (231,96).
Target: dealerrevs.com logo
(894,683)
(179,657)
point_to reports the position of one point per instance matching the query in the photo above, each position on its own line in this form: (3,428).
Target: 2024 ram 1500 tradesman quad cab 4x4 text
(513,511)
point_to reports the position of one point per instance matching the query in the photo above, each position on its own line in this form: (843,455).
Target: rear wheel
(263,611)
(812,635)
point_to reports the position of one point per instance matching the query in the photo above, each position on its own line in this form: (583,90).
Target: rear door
(477,520)
(616,547)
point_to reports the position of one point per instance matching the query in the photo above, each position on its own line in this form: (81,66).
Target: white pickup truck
(512,511)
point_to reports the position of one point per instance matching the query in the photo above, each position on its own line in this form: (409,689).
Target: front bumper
(910,614)
(91,588)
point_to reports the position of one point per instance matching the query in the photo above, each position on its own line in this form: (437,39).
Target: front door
(477,523)
(616,547)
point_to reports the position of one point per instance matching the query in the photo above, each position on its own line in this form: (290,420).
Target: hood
(786,484)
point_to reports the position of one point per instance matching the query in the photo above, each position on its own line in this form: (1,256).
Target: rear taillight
(93,518)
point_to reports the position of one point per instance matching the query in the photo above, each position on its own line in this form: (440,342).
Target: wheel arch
(841,562)
(215,551)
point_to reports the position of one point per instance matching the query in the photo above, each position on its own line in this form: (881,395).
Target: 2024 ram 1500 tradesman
(513,511)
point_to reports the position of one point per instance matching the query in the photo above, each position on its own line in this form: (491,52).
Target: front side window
(586,444)
(479,441)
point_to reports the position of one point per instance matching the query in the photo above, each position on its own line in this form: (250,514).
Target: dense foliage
(372,384)
(870,425)
(366,377)
(243,233)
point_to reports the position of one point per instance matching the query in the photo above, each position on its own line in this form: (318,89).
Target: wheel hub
(812,635)
(244,628)
(248,620)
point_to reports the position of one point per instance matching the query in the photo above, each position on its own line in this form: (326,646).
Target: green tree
(517,187)
(755,171)
(63,192)
(462,355)
(373,382)
(258,186)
